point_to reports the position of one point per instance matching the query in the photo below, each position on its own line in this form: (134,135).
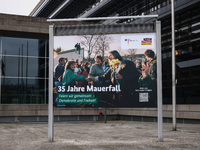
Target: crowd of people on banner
(133,78)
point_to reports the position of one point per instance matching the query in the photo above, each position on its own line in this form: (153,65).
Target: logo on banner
(130,42)
(146,41)
(138,41)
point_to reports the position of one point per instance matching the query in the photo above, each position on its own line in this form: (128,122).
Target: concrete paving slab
(114,135)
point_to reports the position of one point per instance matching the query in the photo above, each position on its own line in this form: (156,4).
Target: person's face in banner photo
(147,58)
(63,62)
(110,56)
(98,61)
(72,66)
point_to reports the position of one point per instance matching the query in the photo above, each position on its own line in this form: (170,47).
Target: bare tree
(89,42)
(123,53)
(102,44)
(131,53)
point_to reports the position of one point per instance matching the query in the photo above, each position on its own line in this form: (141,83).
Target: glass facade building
(187,47)
(24,70)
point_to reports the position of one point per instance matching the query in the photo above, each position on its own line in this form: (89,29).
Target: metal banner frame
(173,68)
(159,81)
(50,105)
(159,70)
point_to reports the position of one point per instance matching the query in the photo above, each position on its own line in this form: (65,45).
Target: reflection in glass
(47,68)
(24,66)
(2,64)
(23,71)
(23,47)
(23,91)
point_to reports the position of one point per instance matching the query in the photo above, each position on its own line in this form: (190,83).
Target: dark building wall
(187,32)
(24,59)
(14,25)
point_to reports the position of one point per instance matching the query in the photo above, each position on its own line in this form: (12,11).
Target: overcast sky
(18,7)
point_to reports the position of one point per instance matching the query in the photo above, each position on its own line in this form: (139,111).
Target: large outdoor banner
(107,70)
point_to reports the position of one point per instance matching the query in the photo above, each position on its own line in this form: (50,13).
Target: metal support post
(173,69)
(50,106)
(159,81)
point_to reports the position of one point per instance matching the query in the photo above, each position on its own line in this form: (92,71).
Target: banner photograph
(107,70)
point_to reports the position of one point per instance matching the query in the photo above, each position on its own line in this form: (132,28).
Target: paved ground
(114,135)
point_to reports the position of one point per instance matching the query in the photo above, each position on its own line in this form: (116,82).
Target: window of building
(24,70)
